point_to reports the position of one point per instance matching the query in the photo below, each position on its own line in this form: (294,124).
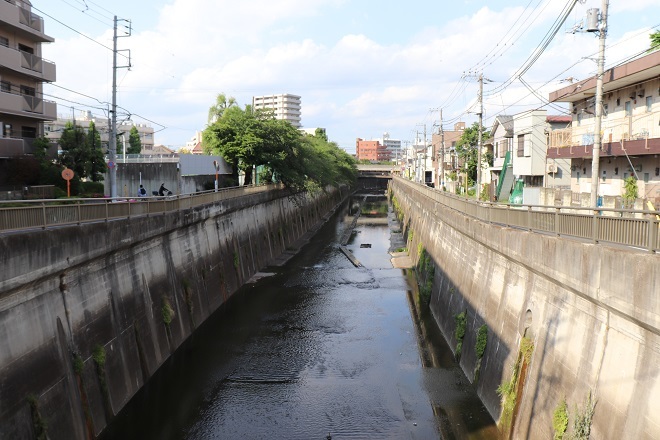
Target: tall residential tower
(285,106)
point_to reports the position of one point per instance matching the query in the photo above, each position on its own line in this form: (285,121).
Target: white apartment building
(53,130)
(284,106)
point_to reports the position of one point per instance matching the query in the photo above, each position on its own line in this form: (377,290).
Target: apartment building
(22,74)
(630,129)
(53,130)
(284,106)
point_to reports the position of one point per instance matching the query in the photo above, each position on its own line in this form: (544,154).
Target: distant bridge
(380,171)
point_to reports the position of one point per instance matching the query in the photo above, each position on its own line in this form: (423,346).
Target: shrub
(482,339)
(560,420)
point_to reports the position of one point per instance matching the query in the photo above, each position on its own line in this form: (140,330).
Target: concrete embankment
(89,313)
(592,313)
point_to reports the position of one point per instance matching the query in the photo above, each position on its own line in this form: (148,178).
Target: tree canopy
(466,148)
(82,152)
(247,139)
(134,143)
(655,41)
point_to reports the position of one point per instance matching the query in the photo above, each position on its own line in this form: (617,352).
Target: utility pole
(113,127)
(481,129)
(442,154)
(599,105)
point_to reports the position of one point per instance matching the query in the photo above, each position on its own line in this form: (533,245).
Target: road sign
(67,174)
(111,164)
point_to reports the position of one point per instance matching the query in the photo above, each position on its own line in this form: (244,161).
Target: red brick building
(371,150)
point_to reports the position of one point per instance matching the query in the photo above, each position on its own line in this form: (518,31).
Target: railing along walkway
(633,228)
(49,213)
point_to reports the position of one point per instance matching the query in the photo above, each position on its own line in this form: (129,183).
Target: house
(630,129)
(520,145)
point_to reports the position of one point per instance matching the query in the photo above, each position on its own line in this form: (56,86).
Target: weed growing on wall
(188,297)
(582,422)
(38,422)
(167,311)
(459,332)
(425,271)
(236,260)
(482,339)
(480,349)
(508,390)
(560,420)
(98,355)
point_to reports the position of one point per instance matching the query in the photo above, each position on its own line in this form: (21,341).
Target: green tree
(222,103)
(466,148)
(78,155)
(655,41)
(247,139)
(95,148)
(135,145)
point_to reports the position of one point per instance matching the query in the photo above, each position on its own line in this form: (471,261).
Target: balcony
(27,64)
(11,147)
(17,13)
(28,107)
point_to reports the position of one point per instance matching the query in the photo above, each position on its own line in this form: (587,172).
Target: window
(521,145)
(628,107)
(605,110)
(649,103)
(604,177)
(27,90)
(28,132)
(646,177)
(7,130)
(4,41)
(5,86)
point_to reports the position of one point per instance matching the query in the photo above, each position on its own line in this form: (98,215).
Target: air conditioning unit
(551,167)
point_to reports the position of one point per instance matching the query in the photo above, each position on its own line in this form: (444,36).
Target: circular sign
(111,164)
(67,174)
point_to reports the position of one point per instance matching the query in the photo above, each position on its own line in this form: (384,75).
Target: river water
(319,348)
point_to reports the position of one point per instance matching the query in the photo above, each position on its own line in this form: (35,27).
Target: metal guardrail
(633,228)
(42,214)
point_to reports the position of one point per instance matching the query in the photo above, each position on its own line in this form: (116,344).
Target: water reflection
(321,347)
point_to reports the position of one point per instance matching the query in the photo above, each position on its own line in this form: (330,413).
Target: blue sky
(362,67)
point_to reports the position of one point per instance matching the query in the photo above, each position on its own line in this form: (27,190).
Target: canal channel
(331,343)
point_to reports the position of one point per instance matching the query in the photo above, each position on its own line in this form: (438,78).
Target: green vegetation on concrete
(482,339)
(425,271)
(582,421)
(38,423)
(167,312)
(560,420)
(508,390)
(459,332)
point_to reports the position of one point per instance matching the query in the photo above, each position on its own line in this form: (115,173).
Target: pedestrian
(162,190)
(142,192)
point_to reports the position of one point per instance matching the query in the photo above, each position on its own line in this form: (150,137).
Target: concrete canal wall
(591,311)
(89,313)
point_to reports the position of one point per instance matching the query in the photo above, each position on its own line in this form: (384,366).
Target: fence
(632,228)
(48,213)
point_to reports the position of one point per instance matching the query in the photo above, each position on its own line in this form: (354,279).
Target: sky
(362,67)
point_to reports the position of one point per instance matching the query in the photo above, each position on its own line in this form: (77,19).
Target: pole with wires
(481,129)
(599,106)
